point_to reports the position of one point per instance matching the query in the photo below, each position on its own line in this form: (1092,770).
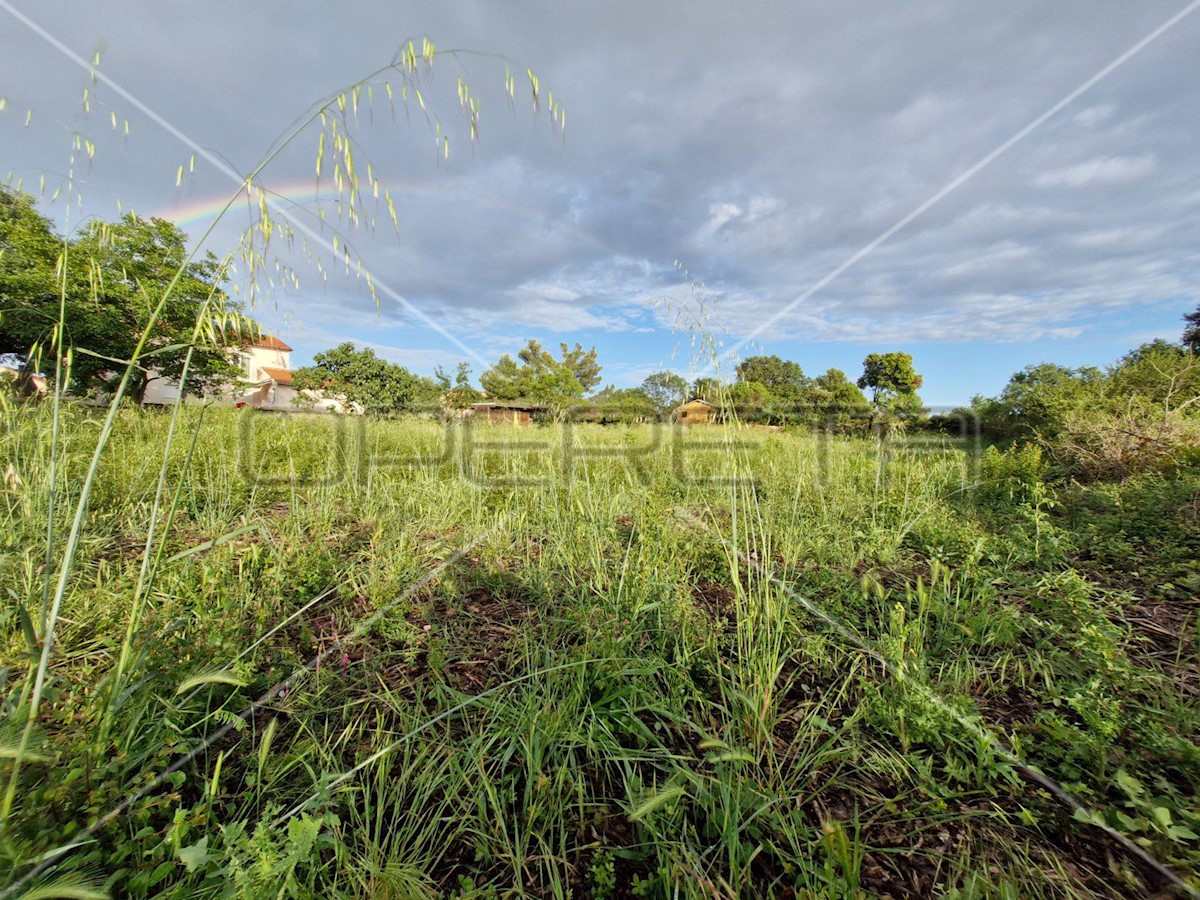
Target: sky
(983,185)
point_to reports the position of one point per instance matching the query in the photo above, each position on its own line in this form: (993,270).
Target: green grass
(534,672)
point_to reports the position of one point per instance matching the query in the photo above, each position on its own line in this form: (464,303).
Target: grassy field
(394,659)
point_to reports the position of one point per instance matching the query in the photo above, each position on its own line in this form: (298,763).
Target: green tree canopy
(665,390)
(583,365)
(784,379)
(752,401)
(117,275)
(624,405)
(1160,372)
(459,394)
(505,380)
(1040,397)
(1191,331)
(707,389)
(555,388)
(539,377)
(894,383)
(29,290)
(361,377)
(836,401)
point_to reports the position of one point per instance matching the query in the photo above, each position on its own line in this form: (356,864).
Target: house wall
(695,414)
(254,358)
(497,415)
(161,391)
(268,396)
(277,397)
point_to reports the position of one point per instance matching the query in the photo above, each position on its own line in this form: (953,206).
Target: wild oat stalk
(333,113)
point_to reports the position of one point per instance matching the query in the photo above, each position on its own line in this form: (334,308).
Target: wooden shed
(696,412)
(503,412)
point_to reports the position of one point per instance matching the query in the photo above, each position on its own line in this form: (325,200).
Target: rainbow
(306,195)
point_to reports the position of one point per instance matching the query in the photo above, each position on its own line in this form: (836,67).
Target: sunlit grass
(604,691)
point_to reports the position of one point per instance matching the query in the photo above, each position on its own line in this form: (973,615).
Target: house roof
(269,342)
(700,401)
(279,376)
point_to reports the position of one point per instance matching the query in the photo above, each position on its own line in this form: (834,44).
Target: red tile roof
(268,342)
(279,376)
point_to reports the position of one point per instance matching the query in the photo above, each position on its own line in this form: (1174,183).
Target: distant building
(267,374)
(265,383)
(696,412)
(505,412)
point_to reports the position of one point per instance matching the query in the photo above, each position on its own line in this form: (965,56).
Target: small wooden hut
(696,412)
(505,412)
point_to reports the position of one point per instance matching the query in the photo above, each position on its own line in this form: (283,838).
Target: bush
(1098,445)
(1012,476)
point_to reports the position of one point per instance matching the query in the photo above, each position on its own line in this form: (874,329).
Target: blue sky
(762,147)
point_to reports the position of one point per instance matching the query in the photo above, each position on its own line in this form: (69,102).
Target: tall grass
(604,695)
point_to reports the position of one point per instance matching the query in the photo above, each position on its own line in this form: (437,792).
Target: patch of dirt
(124,547)
(797,689)
(896,578)
(1166,624)
(1015,710)
(1169,628)
(433,537)
(915,857)
(471,641)
(609,831)
(716,599)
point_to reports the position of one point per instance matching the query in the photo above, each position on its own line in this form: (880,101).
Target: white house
(265,383)
(266,376)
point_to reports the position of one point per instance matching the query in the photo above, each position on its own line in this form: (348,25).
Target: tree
(783,378)
(555,388)
(1191,332)
(541,378)
(665,390)
(583,365)
(1165,374)
(623,405)
(707,389)
(1040,398)
(894,383)
(835,401)
(29,292)
(118,274)
(460,394)
(753,401)
(580,363)
(505,380)
(359,376)
(775,393)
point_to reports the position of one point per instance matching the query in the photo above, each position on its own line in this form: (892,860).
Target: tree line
(1140,413)
(1138,406)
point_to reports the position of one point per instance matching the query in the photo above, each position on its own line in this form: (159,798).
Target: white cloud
(1108,170)
(1095,115)
(719,215)
(1116,237)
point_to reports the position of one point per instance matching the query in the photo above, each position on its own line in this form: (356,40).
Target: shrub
(1011,476)
(1143,437)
